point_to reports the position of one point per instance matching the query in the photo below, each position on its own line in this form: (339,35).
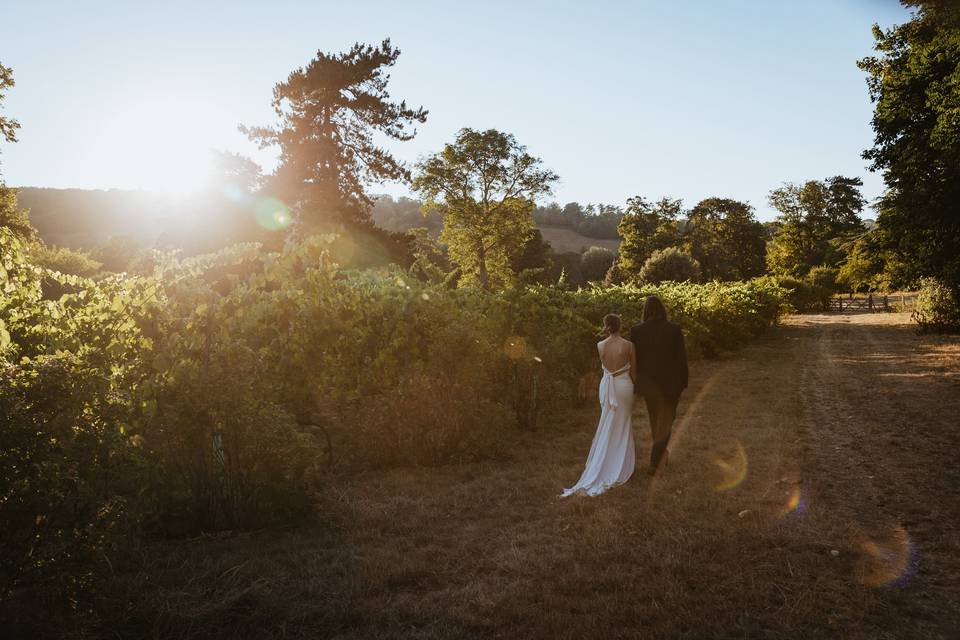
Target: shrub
(67,461)
(802,295)
(596,262)
(938,307)
(65,260)
(823,277)
(670,264)
(64,459)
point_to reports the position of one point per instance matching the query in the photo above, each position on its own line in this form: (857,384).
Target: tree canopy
(329,114)
(645,228)
(724,237)
(11,216)
(484,185)
(914,82)
(811,215)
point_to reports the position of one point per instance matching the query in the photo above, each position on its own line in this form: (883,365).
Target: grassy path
(813,492)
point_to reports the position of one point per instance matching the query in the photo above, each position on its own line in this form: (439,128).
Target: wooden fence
(873,302)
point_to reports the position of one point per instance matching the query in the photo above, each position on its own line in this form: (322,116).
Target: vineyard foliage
(220,391)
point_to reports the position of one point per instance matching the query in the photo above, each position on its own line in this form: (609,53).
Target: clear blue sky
(689,99)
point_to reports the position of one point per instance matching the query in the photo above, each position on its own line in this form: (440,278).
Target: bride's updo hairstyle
(611,323)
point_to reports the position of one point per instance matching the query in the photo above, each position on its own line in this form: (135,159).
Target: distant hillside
(563,240)
(82,218)
(86,219)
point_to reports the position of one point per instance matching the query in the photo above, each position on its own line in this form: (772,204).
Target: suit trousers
(662,410)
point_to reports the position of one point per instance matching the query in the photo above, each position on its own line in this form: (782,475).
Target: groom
(661,374)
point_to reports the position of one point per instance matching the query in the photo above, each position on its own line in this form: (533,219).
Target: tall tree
(811,215)
(725,237)
(646,227)
(11,215)
(329,114)
(915,85)
(484,185)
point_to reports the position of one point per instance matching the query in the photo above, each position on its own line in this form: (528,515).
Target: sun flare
(161,140)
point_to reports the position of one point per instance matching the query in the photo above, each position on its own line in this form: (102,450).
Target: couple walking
(652,363)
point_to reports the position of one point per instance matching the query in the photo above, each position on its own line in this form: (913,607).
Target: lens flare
(887,560)
(795,503)
(733,469)
(272,214)
(514,347)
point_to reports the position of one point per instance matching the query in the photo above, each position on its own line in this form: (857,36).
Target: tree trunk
(482,267)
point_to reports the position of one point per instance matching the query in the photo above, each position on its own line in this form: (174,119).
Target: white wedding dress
(612,457)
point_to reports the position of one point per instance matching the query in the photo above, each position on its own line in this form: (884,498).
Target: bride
(612,458)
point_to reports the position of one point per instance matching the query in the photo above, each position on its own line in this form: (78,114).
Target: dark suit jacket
(661,357)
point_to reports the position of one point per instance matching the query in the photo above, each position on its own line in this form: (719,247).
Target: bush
(63,475)
(670,264)
(938,307)
(65,260)
(596,262)
(802,295)
(67,461)
(824,278)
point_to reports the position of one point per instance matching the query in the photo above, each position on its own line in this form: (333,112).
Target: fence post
(870,301)
(886,306)
(840,304)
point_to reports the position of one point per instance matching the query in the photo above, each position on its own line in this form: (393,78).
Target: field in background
(563,240)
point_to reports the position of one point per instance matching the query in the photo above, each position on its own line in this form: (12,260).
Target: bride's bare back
(616,353)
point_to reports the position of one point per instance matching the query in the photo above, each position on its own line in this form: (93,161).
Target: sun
(161,140)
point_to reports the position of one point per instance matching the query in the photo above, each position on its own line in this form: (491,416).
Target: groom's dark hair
(653,308)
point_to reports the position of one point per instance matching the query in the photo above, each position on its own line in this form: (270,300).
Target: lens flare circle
(733,469)
(887,560)
(795,503)
(272,214)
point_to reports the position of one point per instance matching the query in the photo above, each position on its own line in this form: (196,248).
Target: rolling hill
(86,218)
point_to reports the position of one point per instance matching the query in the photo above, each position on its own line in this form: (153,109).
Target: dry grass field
(813,491)
(562,240)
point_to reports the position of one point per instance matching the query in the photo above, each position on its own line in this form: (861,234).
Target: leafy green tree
(671,264)
(914,85)
(645,228)
(811,215)
(430,261)
(865,266)
(596,262)
(724,236)
(330,113)
(535,261)
(483,185)
(11,216)
(8,126)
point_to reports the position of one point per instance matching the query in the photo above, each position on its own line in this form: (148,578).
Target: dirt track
(813,491)
(867,414)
